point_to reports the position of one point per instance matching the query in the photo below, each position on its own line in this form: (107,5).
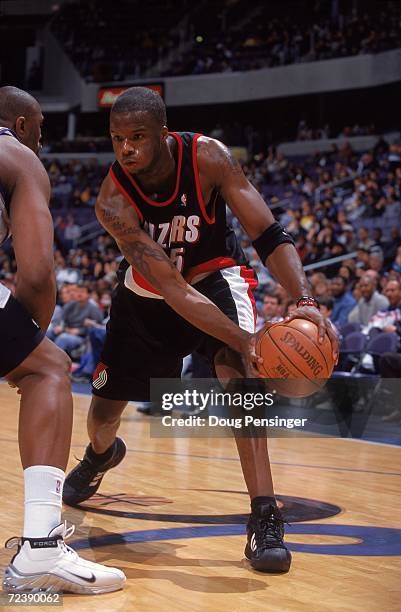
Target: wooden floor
(169,518)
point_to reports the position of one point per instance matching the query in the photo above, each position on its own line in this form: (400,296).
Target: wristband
(307,300)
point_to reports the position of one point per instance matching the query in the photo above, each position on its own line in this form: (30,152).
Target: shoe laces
(272,530)
(84,470)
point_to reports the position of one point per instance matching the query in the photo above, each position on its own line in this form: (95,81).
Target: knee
(57,365)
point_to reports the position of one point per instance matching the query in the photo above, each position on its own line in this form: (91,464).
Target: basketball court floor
(172,517)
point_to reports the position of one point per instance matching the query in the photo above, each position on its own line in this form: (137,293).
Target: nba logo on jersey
(184,199)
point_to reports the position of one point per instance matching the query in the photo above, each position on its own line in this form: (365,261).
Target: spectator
(72,332)
(270,310)
(370,302)
(388,320)
(364,241)
(72,232)
(343,302)
(376,261)
(326,305)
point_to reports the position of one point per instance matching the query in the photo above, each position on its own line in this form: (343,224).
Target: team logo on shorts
(99,376)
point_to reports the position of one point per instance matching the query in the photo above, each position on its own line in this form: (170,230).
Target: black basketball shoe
(84,480)
(265,548)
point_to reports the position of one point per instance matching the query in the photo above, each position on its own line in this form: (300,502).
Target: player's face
(137,140)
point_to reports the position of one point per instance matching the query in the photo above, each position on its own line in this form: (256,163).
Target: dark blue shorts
(19,335)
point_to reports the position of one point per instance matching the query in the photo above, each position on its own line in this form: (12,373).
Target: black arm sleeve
(271,238)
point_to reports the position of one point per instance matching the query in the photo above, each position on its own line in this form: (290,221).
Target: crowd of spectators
(268,41)
(306,132)
(217,35)
(110,41)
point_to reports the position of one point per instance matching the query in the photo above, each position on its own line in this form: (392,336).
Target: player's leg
(104,451)
(133,356)
(230,290)
(45,417)
(252,450)
(104,418)
(265,546)
(41,372)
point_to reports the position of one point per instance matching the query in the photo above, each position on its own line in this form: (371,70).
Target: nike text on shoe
(84,480)
(265,548)
(49,565)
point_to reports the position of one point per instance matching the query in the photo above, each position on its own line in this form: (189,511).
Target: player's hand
(324,325)
(249,356)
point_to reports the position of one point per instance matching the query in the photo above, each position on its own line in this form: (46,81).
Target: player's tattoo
(136,252)
(221,156)
(140,256)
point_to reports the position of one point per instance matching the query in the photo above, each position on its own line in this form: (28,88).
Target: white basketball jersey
(4,228)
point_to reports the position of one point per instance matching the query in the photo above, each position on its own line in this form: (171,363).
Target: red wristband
(307,300)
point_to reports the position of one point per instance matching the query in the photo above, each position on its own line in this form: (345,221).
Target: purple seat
(353,343)
(385,342)
(348,328)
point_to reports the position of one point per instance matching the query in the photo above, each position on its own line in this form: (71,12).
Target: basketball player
(29,361)
(184,286)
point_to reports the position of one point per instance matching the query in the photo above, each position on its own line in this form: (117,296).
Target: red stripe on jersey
(248,275)
(125,193)
(177,184)
(142,282)
(218,263)
(209,220)
(207,266)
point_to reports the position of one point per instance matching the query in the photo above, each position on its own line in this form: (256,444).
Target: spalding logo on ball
(294,358)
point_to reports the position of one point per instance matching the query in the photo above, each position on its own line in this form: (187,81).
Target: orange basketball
(294,358)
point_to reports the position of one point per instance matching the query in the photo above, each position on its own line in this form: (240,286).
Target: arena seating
(218,35)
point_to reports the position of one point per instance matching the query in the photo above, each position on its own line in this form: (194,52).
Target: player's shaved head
(141,99)
(14,103)
(22,113)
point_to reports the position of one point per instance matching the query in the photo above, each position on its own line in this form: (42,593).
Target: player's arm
(32,230)
(273,244)
(120,219)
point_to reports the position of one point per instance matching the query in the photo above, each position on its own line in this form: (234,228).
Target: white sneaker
(48,564)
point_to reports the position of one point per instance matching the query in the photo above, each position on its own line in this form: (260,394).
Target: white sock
(43,498)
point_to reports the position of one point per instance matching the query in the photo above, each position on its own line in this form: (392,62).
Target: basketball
(294,358)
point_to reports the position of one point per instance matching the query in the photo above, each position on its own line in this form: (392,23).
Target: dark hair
(326,301)
(340,278)
(272,295)
(141,99)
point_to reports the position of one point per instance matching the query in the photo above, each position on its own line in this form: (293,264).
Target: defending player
(29,361)
(184,286)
